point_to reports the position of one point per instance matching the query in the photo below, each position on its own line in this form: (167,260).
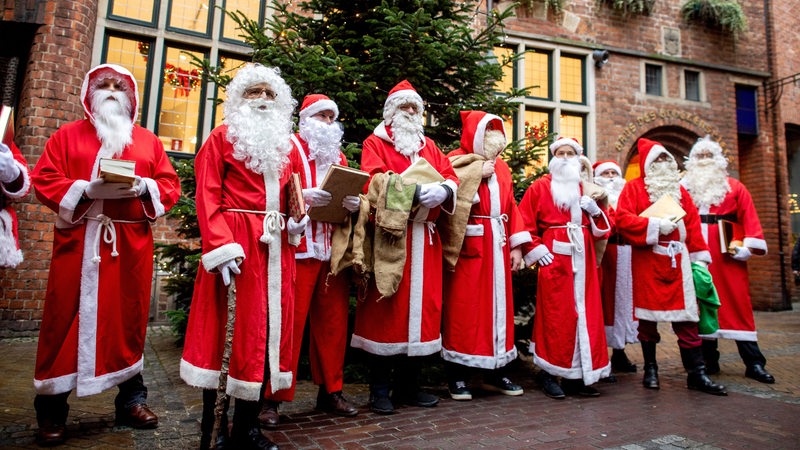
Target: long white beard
(613,187)
(663,178)
(407,133)
(494,142)
(324,140)
(260,137)
(706,182)
(112,121)
(565,182)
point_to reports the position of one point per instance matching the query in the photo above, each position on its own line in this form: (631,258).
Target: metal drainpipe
(768,30)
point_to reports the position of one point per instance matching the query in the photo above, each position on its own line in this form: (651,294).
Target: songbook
(340,181)
(118,170)
(422,172)
(665,208)
(297,206)
(6,125)
(727,243)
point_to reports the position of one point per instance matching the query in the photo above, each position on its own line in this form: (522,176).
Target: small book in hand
(340,181)
(665,208)
(727,242)
(297,206)
(118,170)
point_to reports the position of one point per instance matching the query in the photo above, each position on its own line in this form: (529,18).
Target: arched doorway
(677,140)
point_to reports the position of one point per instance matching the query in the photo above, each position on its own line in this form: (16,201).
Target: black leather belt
(712,219)
(618,239)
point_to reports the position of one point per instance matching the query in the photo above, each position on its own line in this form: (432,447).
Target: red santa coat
(240,214)
(409,322)
(96,311)
(663,287)
(568,334)
(617,292)
(730,275)
(10,253)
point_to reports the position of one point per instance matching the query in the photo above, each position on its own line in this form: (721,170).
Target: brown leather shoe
(50,434)
(138,416)
(335,403)
(268,417)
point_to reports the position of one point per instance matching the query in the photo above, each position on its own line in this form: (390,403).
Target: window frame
(701,94)
(152,24)
(662,83)
(210,16)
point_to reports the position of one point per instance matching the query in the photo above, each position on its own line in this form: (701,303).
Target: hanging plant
(628,7)
(724,14)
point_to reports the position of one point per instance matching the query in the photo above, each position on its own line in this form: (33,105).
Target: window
(653,78)
(691,85)
(503,55)
(157,41)
(572,79)
(746,110)
(537,74)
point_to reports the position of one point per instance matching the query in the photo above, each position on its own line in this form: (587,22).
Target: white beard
(613,187)
(663,178)
(112,121)
(706,181)
(407,133)
(261,138)
(494,142)
(324,140)
(566,181)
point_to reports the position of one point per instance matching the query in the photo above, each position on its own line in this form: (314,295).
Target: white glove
(546,259)
(742,253)
(99,189)
(139,186)
(432,195)
(488,168)
(590,206)
(316,197)
(666,226)
(297,227)
(225,269)
(9,170)
(351,203)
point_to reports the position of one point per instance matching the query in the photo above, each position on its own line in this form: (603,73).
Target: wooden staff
(222,396)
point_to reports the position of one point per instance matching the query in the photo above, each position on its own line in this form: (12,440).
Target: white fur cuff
(652,231)
(518,239)
(532,256)
(755,243)
(220,255)
(700,256)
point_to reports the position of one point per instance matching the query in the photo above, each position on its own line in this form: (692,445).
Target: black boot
(698,379)
(207,422)
(650,380)
(51,415)
(620,362)
(246,433)
(711,356)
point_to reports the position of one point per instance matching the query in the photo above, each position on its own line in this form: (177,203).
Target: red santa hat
(113,71)
(474,125)
(402,93)
(602,166)
(649,151)
(562,141)
(316,103)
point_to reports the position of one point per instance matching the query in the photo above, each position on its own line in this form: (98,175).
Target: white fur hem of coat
(576,373)
(482,362)
(396,348)
(737,335)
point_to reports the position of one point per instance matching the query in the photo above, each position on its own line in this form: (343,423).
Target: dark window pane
(746,110)
(652,79)
(692,85)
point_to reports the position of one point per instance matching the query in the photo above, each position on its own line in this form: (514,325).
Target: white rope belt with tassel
(109,232)
(500,219)
(273,221)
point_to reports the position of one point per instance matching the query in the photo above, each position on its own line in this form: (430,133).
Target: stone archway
(676,139)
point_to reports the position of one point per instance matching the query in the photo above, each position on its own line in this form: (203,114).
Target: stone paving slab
(626,416)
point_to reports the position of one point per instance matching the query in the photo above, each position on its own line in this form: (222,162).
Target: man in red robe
(662,250)
(568,336)
(243,170)
(98,292)
(720,197)
(478,315)
(14,184)
(321,298)
(396,330)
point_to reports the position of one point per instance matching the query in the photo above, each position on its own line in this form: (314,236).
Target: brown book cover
(6,125)
(118,170)
(727,241)
(340,181)
(665,208)
(297,206)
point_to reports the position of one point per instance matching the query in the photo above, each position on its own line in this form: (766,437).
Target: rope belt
(431,228)
(500,219)
(109,232)
(575,236)
(273,222)
(673,248)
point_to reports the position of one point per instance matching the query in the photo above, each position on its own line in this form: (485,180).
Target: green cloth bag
(707,299)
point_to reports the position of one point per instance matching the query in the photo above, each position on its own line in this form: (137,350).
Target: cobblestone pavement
(626,416)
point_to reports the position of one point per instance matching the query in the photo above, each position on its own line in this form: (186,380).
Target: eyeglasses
(258,92)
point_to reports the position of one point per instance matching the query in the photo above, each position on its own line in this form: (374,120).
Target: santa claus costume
(661,256)
(568,336)
(98,291)
(615,269)
(14,184)
(719,197)
(242,173)
(409,321)
(320,298)
(478,315)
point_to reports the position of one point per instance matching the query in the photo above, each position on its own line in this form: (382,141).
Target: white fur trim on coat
(66,208)
(222,254)
(26,182)
(517,239)
(10,255)
(652,231)
(738,335)
(396,348)
(756,243)
(700,256)
(155,198)
(534,255)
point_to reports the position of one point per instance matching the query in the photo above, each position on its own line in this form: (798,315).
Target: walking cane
(219,405)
